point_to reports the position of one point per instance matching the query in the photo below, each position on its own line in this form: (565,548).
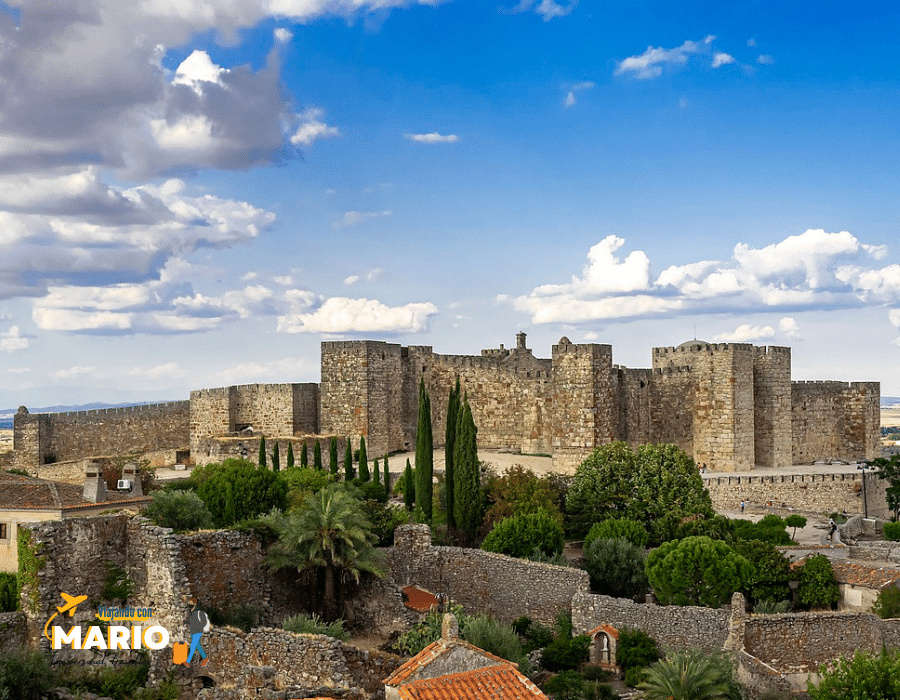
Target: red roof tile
(493,683)
(874,577)
(609,629)
(433,651)
(19,492)
(418,599)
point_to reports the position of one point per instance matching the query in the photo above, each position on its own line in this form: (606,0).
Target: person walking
(198,623)
(742,506)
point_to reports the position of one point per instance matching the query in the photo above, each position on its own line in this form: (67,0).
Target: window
(4,531)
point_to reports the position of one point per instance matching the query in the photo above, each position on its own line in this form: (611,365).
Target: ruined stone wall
(584,414)
(835,420)
(806,493)
(483,581)
(772,406)
(111,431)
(672,626)
(12,632)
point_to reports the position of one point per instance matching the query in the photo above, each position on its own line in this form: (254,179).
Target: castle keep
(732,406)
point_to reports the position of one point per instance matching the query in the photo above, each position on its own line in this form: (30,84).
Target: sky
(196,193)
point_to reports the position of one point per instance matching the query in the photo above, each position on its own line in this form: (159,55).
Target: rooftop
(875,577)
(501,682)
(19,492)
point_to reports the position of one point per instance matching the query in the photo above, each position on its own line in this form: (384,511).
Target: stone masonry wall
(483,581)
(835,420)
(12,632)
(806,493)
(54,437)
(671,626)
(211,450)
(772,406)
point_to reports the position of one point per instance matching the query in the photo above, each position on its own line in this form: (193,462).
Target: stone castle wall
(211,450)
(50,437)
(772,406)
(835,420)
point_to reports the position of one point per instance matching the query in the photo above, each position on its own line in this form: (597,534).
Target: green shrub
(180,510)
(869,676)
(616,568)
(384,518)
(304,481)
(634,676)
(887,604)
(595,673)
(9,592)
(516,492)
(795,521)
(244,617)
(429,630)
(522,625)
(635,649)
(564,654)
(770,529)
(568,685)
(499,639)
(772,607)
(25,675)
(123,682)
(559,559)
(117,585)
(538,636)
(613,528)
(599,691)
(520,535)
(891,531)
(237,490)
(817,585)
(313,624)
(370,490)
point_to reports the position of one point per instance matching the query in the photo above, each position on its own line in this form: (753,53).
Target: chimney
(132,473)
(94,486)
(520,341)
(449,628)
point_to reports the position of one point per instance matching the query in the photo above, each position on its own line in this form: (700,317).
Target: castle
(732,406)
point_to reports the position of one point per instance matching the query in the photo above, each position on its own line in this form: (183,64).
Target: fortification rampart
(50,437)
(835,420)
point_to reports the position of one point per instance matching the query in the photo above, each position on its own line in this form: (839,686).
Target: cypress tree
(409,488)
(363,461)
(468,498)
(449,442)
(387,477)
(262,451)
(317,455)
(290,455)
(332,456)
(276,459)
(424,454)
(348,462)
(230,514)
(304,457)
(376,473)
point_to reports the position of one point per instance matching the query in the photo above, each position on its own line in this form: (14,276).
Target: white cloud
(813,270)
(197,69)
(312,128)
(570,99)
(167,370)
(746,333)
(77,371)
(283,35)
(650,63)
(548,9)
(751,43)
(433,137)
(894,317)
(18,370)
(288,369)
(12,340)
(354,218)
(721,59)
(369,276)
(344,315)
(765,59)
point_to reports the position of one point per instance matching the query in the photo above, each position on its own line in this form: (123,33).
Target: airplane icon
(71,603)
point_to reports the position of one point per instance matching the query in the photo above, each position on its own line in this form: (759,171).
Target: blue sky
(197,193)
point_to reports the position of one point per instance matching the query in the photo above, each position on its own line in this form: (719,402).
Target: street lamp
(862,467)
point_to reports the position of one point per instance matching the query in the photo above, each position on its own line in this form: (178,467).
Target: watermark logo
(105,635)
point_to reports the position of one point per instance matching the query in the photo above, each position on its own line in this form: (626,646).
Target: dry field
(890,417)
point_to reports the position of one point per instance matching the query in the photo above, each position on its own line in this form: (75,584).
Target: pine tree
(317,455)
(304,456)
(290,455)
(276,459)
(363,461)
(387,477)
(262,451)
(348,462)
(449,441)
(376,473)
(409,488)
(468,497)
(424,454)
(332,456)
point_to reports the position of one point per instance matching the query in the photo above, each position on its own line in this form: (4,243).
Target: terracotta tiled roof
(493,682)
(29,493)
(418,599)
(874,577)
(609,629)
(433,651)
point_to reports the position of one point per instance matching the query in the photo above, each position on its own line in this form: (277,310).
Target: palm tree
(691,675)
(330,533)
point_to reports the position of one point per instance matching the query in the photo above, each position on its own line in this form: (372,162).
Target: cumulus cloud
(167,370)
(548,9)
(813,270)
(650,64)
(339,315)
(573,90)
(289,368)
(77,371)
(283,35)
(312,128)
(765,60)
(746,333)
(721,59)
(368,276)
(433,137)
(354,218)
(12,340)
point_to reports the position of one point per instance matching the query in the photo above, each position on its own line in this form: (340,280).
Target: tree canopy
(873,677)
(253,490)
(520,535)
(653,484)
(424,455)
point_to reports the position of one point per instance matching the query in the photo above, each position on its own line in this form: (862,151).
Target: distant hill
(887,401)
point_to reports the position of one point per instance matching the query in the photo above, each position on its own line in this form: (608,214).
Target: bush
(891,531)
(313,624)
(522,625)
(564,654)
(770,529)
(384,518)
(9,592)
(795,521)
(179,510)
(634,676)
(519,491)
(237,490)
(616,568)
(117,585)
(304,481)
(520,535)
(370,490)
(771,575)
(635,649)
(817,585)
(887,604)
(538,636)
(25,675)
(497,638)
(121,682)
(772,607)
(613,528)
(864,676)
(244,617)
(692,674)
(429,630)
(568,685)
